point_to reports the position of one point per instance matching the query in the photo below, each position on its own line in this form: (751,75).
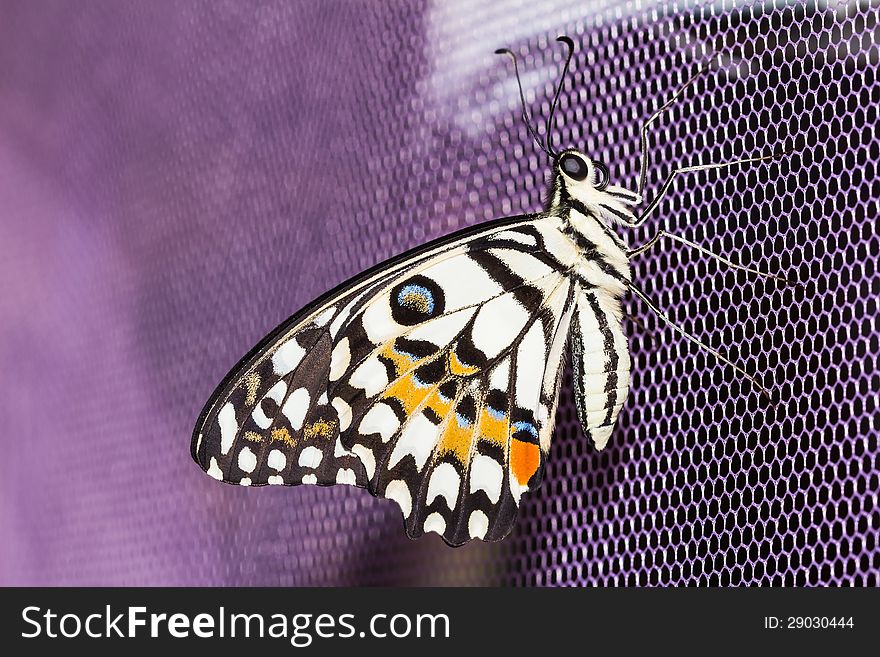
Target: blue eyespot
(525,426)
(416,297)
(416,300)
(494,412)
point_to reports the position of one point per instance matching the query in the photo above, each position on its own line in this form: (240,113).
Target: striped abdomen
(600,363)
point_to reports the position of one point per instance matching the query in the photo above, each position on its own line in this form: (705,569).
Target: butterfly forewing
(255,431)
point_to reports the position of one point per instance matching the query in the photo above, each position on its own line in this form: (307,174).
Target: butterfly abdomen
(600,363)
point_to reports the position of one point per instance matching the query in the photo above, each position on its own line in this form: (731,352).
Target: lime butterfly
(433,378)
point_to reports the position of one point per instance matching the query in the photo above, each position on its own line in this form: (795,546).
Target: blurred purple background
(177,178)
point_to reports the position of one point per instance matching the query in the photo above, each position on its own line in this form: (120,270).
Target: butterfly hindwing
(454,436)
(431,379)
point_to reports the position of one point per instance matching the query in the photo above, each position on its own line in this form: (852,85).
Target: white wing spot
(307,479)
(276,480)
(337,323)
(443,329)
(365,454)
(346,476)
(277,460)
(478,524)
(228,427)
(296,407)
(398,491)
(435,523)
(377,321)
(487,475)
(515,236)
(464,282)
(418,438)
(500,377)
(247,460)
(287,357)
(380,419)
(343,412)
(340,359)
(339,450)
(245,481)
(325,316)
(444,482)
(543,414)
(370,376)
(276,393)
(498,323)
(524,264)
(310,457)
(214,470)
(530,366)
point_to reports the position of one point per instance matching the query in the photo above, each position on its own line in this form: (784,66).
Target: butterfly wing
(252,430)
(431,380)
(600,364)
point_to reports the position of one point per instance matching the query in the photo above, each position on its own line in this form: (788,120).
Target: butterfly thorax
(603,263)
(588,208)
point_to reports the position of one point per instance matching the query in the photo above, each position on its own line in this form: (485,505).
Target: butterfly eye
(573,166)
(602,176)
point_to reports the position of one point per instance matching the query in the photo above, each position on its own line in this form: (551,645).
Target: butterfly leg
(631,318)
(643,143)
(643,216)
(693,245)
(724,359)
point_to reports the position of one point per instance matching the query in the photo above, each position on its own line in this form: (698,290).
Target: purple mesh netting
(177,178)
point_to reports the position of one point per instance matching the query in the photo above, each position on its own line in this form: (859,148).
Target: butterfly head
(579,173)
(583,181)
(576,177)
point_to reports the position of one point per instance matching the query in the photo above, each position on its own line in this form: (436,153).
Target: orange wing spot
(254,437)
(492,428)
(458,368)
(456,440)
(283,435)
(319,429)
(252,384)
(408,393)
(437,404)
(402,362)
(524,460)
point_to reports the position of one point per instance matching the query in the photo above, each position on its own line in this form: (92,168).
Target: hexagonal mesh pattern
(705,482)
(176,181)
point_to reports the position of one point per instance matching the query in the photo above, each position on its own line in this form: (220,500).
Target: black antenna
(525,111)
(551,118)
(545,145)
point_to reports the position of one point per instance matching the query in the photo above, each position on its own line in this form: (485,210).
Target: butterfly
(433,378)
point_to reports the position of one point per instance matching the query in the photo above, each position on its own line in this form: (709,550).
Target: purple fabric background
(177,178)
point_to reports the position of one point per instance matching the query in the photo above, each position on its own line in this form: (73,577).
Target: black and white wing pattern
(431,380)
